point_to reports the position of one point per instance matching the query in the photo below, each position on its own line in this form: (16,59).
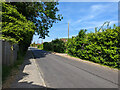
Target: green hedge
(56,46)
(100,47)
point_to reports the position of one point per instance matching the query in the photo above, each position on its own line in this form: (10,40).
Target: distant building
(64,39)
(38,44)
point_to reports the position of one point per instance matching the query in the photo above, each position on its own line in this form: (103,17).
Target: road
(61,72)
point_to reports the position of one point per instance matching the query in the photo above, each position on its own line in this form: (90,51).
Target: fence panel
(9,54)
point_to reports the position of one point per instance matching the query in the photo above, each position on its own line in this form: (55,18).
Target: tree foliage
(15,26)
(42,14)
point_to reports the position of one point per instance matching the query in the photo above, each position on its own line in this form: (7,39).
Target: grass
(6,70)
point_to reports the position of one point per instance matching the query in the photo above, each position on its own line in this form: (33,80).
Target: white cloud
(95,11)
(113,22)
(93,24)
(89,17)
(100,9)
(95,8)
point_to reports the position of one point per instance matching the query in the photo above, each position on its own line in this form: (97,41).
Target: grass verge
(7,70)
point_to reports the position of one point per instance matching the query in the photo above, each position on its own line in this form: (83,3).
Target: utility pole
(37,41)
(68,30)
(42,41)
(68,36)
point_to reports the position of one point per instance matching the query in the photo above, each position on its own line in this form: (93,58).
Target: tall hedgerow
(100,47)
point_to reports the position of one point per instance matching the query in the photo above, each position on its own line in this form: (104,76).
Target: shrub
(100,47)
(56,46)
(38,46)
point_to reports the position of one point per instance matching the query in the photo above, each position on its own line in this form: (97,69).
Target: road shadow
(17,84)
(39,53)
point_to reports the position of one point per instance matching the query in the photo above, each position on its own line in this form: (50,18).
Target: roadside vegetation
(21,20)
(55,46)
(7,71)
(15,29)
(101,47)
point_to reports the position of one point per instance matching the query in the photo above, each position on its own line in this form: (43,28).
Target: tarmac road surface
(61,72)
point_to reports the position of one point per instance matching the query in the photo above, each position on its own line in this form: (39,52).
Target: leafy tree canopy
(43,14)
(15,27)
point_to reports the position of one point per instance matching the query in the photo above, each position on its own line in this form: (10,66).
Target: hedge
(56,46)
(100,47)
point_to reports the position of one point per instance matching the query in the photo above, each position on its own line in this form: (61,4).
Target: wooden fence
(9,53)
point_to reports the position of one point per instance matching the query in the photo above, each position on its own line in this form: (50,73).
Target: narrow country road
(61,72)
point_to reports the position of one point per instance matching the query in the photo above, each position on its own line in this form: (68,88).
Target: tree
(15,27)
(42,14)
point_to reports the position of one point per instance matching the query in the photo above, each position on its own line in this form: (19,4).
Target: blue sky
(81,15)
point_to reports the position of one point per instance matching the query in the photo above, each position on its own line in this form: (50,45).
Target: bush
(56,46)
(38,46)
(99,47)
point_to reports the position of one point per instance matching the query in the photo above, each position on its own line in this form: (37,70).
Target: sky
(81,15)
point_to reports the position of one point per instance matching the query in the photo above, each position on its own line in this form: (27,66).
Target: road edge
(40,73)
(84,61)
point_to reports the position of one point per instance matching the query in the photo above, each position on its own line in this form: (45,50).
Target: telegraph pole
(42,41)
(68,30)
(68,36)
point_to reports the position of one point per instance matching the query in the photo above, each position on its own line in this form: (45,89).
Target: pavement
(43,69)
(29,75)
